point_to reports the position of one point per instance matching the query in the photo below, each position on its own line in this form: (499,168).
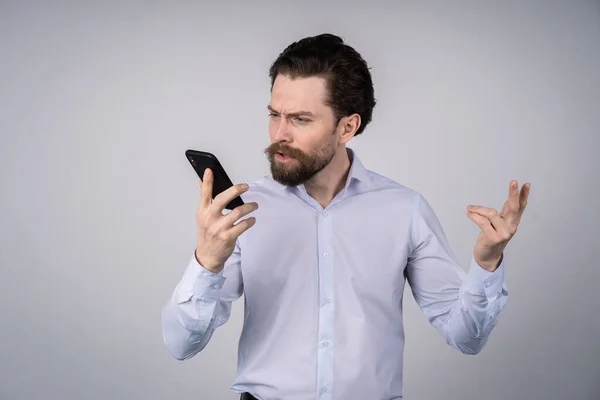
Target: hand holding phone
(217,233)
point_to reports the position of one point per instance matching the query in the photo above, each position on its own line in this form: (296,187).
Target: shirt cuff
(200,282)
(482,282)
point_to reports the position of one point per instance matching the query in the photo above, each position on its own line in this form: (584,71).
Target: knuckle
(205,225)
(224,236)
(245,222)
(243,210)
(236,213)
(249,222)
(212,230)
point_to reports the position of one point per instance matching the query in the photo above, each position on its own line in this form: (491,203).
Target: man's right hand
(217,233)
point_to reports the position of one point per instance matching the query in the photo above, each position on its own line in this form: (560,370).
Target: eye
(273,115)
(301,120)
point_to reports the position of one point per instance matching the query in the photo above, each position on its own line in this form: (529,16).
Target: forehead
(299,94)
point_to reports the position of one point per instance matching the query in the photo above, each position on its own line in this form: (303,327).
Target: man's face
(302,129)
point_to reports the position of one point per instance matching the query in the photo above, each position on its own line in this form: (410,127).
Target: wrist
(213,267)
(490,265)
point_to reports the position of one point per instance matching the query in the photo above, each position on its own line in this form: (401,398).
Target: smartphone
(200,160)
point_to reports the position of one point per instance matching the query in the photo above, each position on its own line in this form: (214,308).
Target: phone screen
(200,160)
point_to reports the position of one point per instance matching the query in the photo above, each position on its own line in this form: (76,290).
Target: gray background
(99,101)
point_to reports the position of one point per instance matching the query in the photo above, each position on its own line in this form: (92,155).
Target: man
(324,261)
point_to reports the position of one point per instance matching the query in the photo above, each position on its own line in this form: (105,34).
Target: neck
(324,186)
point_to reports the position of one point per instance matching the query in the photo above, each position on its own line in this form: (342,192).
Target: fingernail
(244,186)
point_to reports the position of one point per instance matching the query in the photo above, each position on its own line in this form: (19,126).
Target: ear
(348,126)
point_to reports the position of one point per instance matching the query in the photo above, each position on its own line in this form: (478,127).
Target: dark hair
(349,84)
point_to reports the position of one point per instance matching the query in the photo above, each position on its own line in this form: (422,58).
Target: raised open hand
(498,229)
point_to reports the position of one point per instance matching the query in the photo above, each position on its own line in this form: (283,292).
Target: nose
(282,132)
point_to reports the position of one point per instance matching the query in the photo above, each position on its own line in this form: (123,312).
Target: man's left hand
(498,229)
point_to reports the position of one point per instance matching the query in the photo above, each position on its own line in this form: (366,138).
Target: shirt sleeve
(463,307)
(200,303)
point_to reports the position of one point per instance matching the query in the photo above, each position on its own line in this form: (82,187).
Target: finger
(524,196)
(503,230)
(243,226)
(223,198)
(511,206)
(240,211)
(491,214)
(206,188)
(482,222)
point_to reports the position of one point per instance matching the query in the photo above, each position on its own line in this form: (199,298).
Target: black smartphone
(201,160)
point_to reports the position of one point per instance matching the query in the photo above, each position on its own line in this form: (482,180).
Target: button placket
(325,345)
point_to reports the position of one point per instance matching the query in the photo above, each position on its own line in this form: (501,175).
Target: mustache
(275,148)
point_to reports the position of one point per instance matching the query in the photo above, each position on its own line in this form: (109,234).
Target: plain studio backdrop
(99,101)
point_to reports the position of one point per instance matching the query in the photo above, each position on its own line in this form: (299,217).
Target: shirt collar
(357,173)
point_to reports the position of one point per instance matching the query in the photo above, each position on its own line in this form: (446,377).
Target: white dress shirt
(323,291)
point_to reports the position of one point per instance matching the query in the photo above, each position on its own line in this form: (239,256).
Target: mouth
(282,157)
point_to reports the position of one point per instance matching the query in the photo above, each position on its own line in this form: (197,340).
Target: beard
(302,167)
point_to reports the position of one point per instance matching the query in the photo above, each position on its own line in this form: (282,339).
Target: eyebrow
(294,114)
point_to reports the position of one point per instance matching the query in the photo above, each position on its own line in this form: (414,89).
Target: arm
(200,303)
(463,307)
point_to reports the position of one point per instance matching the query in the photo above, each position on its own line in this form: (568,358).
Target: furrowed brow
(293,114)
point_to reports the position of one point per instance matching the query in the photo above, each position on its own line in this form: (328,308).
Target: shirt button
(325,344)
(488,284)
(324,213)
(326,255)
(326,301)
(323,390)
